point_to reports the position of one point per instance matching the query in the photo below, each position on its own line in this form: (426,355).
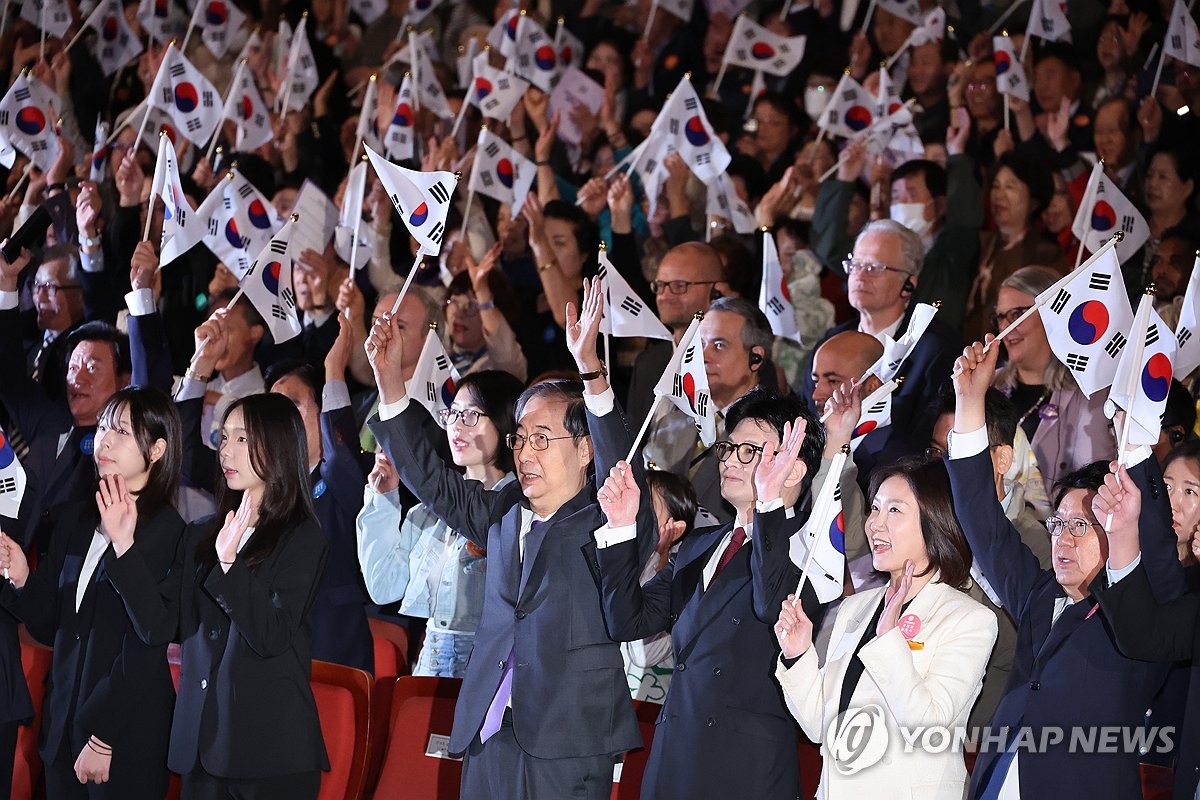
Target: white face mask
(911,216)
(815,100)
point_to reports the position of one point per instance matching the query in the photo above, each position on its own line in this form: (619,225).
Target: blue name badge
(87,444)
(319,488)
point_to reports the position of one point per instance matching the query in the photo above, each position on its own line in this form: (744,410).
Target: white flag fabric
(181,229)
(464,63)
(418,10)
(398,140)
(688,132)
(895,351)
(246,107)
(494,92)
(774,298)
(1187,356)
(12,479)
(685,383)
(1087,321)
(98,163)
(1048,20)
(649,166)
(430,95)
(1106,210)
(116,45)
(369,10)
(239,221)
(1140,389)
(567,46)
(500,172)
(27,115)
(824,535)
(187,97)
(1010,72)
(887,100)
(1182,41)
(850,110)
(905,9)
(301,69)
(754,47)
(625,314)
(503,35)
(723,201)
(162,19)
(536,60)
(421,198)
(352,204)
(931,30)
(875,415)
(680,8)
(54,16)
(218,21)
(368,116)
(268,286)
(281,47)
(434,379)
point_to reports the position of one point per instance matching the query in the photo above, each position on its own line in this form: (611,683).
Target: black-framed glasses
(51,288)
(469,416)
(538,441)
(1077,527)
(852,265)
(1002,319)
(746,452)
(676,287)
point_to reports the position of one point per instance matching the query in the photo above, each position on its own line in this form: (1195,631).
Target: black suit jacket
(1069,673)
(569,694)
(104,680)
(724,730)
(245,708)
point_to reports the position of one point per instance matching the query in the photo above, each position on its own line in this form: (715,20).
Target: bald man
(843,357)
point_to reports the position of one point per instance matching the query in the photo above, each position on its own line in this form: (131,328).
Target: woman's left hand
(893,600)
(118,512)
(92,765)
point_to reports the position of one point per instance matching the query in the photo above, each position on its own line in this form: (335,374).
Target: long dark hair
(949,553)
(495,392)
(279,454)
(152,416)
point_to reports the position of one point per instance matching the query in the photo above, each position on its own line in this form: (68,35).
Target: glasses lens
(723,450)
(746,452)
(515,441)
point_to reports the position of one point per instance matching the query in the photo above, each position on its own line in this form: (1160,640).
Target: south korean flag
(398,140)
(683,123)
(268,285)
(536,60)
(115,45)
(494,92)
(421,198)
(434,380)
(685,383)
(500,172)
(187,97)
(27,115)
(625,314)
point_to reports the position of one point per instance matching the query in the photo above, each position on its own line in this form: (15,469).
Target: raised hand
(620,204)
(778,468)
(619,496)
(385,352)
(10,270)
(974,370)
(118,512)
(793,629)
(350,300)
(87,210)
(544,145)
(852,161)
(338,356)
(130,179)
(12,561)
(383,477)
(232,531)
(842,412)
(478,271)
(893,600)
(1119,502)
(958,132)
(584,328)
(211,342)
(143,266)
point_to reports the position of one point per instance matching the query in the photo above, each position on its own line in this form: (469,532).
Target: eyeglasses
(1002,319)
(459,303)
(935,453)
(538,441)
(1077,527)
(746,452)
(852,265)
(676,287)
(469,416)
(51,288)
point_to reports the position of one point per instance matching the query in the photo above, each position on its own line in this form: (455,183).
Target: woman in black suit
(241,595)
(108,699)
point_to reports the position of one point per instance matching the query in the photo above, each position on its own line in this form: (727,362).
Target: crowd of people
(548,524)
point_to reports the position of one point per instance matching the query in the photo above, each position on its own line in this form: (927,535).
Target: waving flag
(399,137)
(434,380)
(239,220)
(1187,357)
(246,107)
(98,163)
(181,229)
(421,198)
(850,110)
(896,351)
(27,115)
(494,92)
(503,36)
(500,172)
(162,19)
(536,60)
(625,314)
(567,46)
(367,130)
(723,201)
(369,10)
(12,479)
(301,79)
(1010,72)
(685,383)
(268,286)
(430,95)
(116,45)
(351,216)
(1104,211)
(1182,41)
(1088,320)
(931,30)
(887,100)
(904,9)
(687,131)
(218,21)
(648,165)
(754,47)
(774,298)
(1048,20)
(821,544)
(186,96)
(679,8)
(52,16)
(1140,386)
(418,10)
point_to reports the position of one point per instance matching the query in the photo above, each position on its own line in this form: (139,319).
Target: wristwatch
(591,376)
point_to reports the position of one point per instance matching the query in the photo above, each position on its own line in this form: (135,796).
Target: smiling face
(550,477)
(1011,203)
(117,452)
(894,529)
(564,245)
(1027,344)
(91,379)
(476,445)
(464,322)
(234,454)
(982,99)
(1182,479)
(1078,560)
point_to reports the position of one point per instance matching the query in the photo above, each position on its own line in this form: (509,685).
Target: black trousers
(199,785)
(500,770)
(8,749)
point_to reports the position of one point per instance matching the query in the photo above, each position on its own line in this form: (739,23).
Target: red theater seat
(421,707)
(27,764)
(343,696)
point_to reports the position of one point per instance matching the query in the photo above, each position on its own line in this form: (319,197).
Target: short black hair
(775,410)
(933,173)
(101,331)
(1000,417)
(1181,409)
(503,294)
(1189,450)
(153,416)
(496,393)
(1090,477)
(312,377)
(1032,172)
(1057,50)
(678,496)
(583,226)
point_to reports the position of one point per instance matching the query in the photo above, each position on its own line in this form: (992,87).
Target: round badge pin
(910,625)
(319,488)
(87,445)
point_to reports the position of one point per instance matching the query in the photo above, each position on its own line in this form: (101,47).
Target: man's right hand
(11,270)
(973,373)
(385,352)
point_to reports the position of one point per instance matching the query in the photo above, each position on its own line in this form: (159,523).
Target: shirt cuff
(971,443)
(190,389)
(389,410)
(600,404)
(9,300)
(767,506)
(607,536)
(140,302)
(1115,575)
(1136,455)
(92,262)
(336,395)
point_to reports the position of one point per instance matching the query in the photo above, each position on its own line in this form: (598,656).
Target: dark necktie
(735,543)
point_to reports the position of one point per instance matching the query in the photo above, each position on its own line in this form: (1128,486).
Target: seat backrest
(421,707)
(343,696)
(27,764)
(391,648)
(634,765)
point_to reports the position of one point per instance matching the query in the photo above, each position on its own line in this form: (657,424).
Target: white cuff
(140,302)
(190,389)
(767,506)
(965,445)
(9,300)
(1136,455)
(92,262)
(1115,575)
(600,404)
(607,536)
(335,395)
(389,410)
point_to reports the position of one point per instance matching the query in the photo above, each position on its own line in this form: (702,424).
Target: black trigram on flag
(689,354)
(1177,42)
(492,149)
(439,192)
(177,70)
(442,363)
(848,95)
(168,95)
(673,127)
(690,104)
(1077,362)
(227,201)
(1115,344)
(486,179)
(677,385)
(632,306)
(193,124)
(3,117)
(703,158)
(1183,335)
(180,216)
(1151,335)
(1100,281)
(430,391)
(435,234)
(306,61)
(775,305)
(289,299)
(22,94)
(278,246)
(1127,223)
(37,145)
(702,403)
(245,190)
(278,311)
(837,493)
(206,98)
(213,226)
(1060,301)
(879,407)
(8,485)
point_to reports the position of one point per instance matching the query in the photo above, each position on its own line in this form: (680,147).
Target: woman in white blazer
(903,659)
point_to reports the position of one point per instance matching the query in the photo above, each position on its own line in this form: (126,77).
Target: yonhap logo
(858,738)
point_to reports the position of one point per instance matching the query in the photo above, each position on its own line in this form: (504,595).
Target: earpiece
(756,359)
(908,288)
(1175,436)
(714,295)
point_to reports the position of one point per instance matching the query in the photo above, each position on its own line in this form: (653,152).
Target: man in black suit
(544,709)
(724,731)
